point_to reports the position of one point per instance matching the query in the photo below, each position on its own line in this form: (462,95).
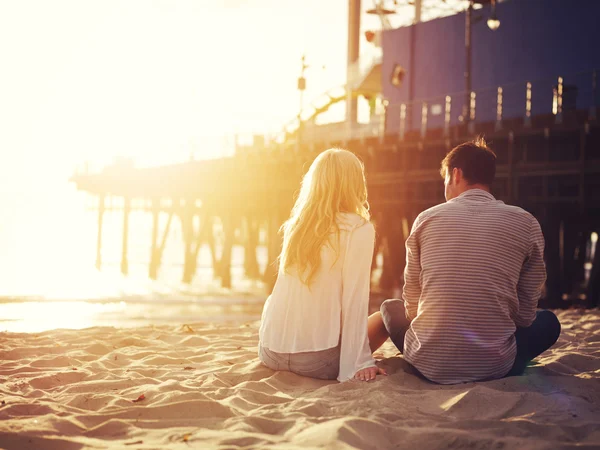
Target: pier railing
(505,106)
(521,101)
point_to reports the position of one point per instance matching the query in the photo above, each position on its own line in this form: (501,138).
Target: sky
(155,80)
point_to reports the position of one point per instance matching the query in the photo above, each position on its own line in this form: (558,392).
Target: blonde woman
(315,322)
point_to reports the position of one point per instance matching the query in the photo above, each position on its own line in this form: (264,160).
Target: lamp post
(354,11)
(468,34)
(301,88)
(302,84)
(493,23)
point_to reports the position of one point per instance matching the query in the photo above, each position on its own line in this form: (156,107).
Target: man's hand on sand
(369,373)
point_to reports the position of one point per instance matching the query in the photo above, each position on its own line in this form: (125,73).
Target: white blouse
(335,308)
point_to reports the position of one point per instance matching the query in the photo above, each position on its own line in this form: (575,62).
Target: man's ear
(457,175)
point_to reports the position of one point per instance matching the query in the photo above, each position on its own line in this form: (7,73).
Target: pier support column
(225,262)
(124,260)
(204,225)
(154,257)
(394,253)
(379,240)
(593,291)
(552,253)
(187,226)
(212,245)
(571,265)
(273,248)
(99,237)
(250,262)
(578,272)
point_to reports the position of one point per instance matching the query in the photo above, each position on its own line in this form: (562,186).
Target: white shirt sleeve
(355,353)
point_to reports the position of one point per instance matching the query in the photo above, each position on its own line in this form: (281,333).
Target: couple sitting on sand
(474,275)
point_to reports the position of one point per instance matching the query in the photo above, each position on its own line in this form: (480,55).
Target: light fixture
(379,10)
(398,75)
(493,22)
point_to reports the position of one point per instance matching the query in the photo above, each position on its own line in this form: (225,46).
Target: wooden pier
(549,167)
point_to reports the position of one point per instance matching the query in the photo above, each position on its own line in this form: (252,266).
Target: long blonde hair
(335,183)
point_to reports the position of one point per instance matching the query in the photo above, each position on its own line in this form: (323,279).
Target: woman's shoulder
(350,221)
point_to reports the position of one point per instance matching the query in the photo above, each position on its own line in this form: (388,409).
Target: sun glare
(42,316)
(147,82)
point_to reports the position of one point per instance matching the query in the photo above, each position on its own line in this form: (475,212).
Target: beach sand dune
(202,386)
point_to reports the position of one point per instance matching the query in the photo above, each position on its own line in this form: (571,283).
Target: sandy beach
(202,386)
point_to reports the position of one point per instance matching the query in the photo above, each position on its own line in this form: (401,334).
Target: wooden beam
(154,260)
(124,259)
(101,199)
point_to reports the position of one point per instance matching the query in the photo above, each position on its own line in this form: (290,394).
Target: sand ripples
(203,386)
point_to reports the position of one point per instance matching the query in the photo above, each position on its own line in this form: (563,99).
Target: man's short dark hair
(476,160)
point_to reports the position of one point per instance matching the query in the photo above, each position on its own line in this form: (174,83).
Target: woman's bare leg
(376,330)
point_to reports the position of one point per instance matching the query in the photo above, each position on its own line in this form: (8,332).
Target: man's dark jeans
(535,340)
(531,341)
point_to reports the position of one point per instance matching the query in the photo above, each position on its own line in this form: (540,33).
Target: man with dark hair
(474,274)
(477,164)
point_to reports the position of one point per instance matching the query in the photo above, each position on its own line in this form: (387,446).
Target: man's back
(474,273)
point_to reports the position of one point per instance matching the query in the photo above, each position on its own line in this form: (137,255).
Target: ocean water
(48,277)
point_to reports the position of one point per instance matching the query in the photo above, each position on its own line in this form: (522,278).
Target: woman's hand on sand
(369,373)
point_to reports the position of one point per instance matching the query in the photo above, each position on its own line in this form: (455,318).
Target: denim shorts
(323,365)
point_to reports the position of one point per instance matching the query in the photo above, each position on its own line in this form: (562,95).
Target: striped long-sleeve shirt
(474,273)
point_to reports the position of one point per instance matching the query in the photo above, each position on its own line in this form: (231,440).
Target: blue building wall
(538,40)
